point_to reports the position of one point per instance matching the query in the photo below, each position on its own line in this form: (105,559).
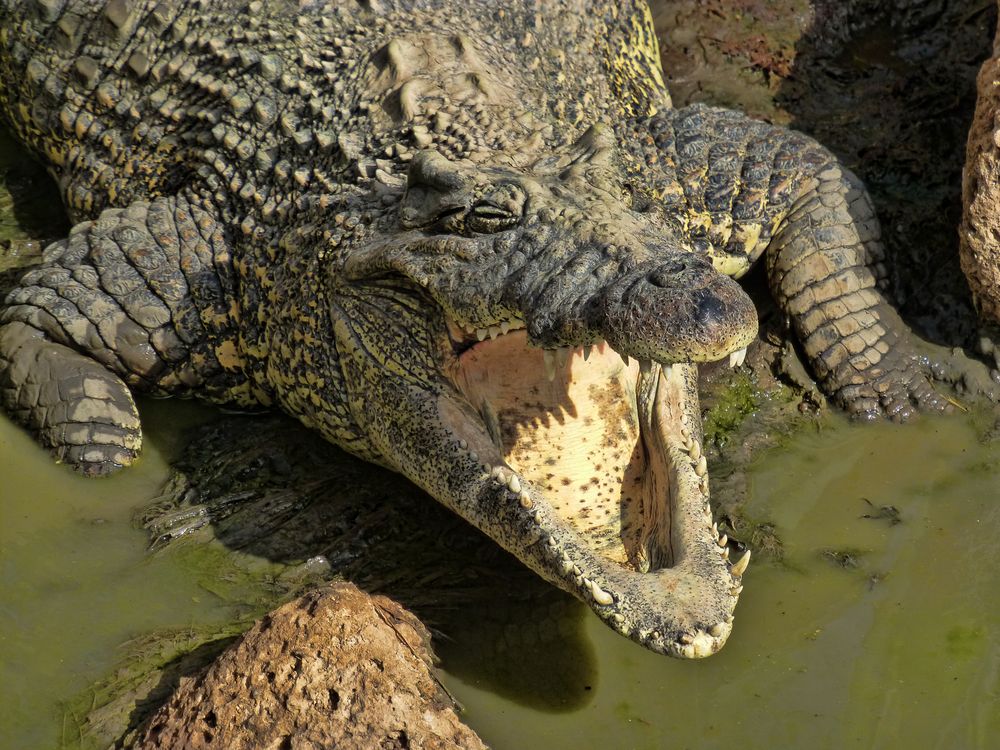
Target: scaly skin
(326,207)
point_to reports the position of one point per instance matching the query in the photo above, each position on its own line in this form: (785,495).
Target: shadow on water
(890,88)
(267,488)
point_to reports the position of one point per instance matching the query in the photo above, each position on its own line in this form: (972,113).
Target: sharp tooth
(686,638)
(504,327)
(716,630)
(695,451)
(527,503)
(601,596)
(667,371)
(586,351)
(743,356)
(482,333)
(701,468)
(725,553)
(550,363)
(462,444)
(562,356)
(645,366)
(514,484)
(494,332)
(723,540)
(740,566)
(736,358)
(499,474)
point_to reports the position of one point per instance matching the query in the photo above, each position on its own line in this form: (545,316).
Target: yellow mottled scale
(633,60)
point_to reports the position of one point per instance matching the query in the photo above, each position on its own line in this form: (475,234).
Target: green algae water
(875,632)
(868,633)
(77,581)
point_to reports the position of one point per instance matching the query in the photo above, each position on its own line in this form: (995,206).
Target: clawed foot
(897,390)
(903,386)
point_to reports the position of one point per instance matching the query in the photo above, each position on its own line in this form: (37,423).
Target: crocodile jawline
(605,456)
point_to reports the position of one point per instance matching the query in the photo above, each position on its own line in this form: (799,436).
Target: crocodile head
(523,346)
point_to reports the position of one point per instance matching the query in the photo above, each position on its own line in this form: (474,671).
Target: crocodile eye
(485,218)
(501,209)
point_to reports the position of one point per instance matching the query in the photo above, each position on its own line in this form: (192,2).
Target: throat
(577,437)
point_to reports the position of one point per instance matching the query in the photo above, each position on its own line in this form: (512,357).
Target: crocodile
(473,242)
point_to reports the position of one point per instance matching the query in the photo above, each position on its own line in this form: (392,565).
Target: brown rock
(980,231)
(336,668)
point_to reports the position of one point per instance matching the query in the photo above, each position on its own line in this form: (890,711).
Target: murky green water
(901,648)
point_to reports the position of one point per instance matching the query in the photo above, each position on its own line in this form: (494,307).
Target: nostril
(667,276)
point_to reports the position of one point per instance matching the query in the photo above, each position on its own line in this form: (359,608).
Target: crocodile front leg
(823,265)
(136,299)
(736,188)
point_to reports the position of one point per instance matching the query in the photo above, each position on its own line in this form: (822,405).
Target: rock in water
(980,231)
(334,668)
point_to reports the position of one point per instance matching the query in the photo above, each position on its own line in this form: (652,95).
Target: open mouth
(606,453)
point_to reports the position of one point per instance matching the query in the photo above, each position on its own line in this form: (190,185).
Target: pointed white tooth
(695,451)
(601,596)
(469,328)
(550,363)
(715,529)
(701,468)
(499,474)
(586,351)
(514,484)
(725,553)
(740,566)
(482,333)
(504,326)
(562,356)
(526,501)
(723,540)
(667,371)
(716,630)
(732,359)
(645,366)
(742,356)
(462,444)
